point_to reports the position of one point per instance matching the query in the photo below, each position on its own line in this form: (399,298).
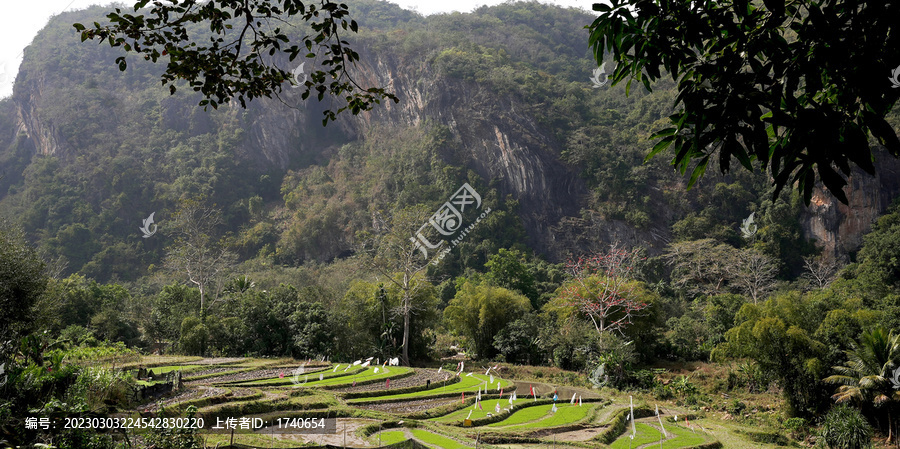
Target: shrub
(185,437)
(798,426)
(845,427)
(736,407)
(194,336)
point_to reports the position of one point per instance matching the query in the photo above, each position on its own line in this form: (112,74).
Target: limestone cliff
(838,228)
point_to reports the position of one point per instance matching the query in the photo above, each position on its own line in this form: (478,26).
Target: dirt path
(346,428)
(577,435)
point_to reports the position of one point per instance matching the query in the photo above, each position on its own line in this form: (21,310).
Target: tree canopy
(795,87)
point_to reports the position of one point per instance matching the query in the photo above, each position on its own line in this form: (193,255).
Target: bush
(736,407)
(194,336)
(185,437)
(798,426)
(846,428)
(101,387)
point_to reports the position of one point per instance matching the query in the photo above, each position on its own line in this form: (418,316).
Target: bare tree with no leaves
(388,249)
(820,270)
(196,252)
(753,273)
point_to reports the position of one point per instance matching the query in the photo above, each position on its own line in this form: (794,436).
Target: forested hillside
(91,151)
(301,219)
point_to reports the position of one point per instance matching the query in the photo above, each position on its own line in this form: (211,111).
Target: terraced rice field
(428,406)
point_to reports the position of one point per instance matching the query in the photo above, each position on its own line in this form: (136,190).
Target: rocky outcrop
(839,228)
(43,134)
(498,139)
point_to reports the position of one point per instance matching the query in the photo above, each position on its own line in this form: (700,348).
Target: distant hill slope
(500,98)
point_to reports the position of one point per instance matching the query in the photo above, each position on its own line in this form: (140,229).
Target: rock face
(43,135)
(838,228)
(498,137)
(499,140)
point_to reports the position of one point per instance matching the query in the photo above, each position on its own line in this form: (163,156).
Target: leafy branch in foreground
(239,59)
(760,81)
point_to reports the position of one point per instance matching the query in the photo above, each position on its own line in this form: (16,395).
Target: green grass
(391,437)
(188,377)
(313,376)
(183,368)
(477,413)
(468,384)
(330,379)
(649,434)
(435,440)
(524,415)
(565,414)
(367,374)
(683,438)
(645,434)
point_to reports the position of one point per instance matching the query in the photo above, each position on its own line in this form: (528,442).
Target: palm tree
(866,376)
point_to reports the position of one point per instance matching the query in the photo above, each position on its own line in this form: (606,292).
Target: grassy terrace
(566,414)
(312,376)
(489,407)
(679,437)
(183,368)
(437,441)
(391,437)
(542,416)
(278,397)
(467,384)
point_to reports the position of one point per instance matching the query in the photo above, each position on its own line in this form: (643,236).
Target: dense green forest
(296,242)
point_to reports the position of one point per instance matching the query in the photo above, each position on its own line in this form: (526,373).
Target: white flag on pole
(439,369)
(573,398)
(633,427)
(660,422)
(492,379)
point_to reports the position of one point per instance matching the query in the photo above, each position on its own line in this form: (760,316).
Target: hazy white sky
(21,20)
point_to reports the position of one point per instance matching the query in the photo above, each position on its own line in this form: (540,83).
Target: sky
(21,20)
